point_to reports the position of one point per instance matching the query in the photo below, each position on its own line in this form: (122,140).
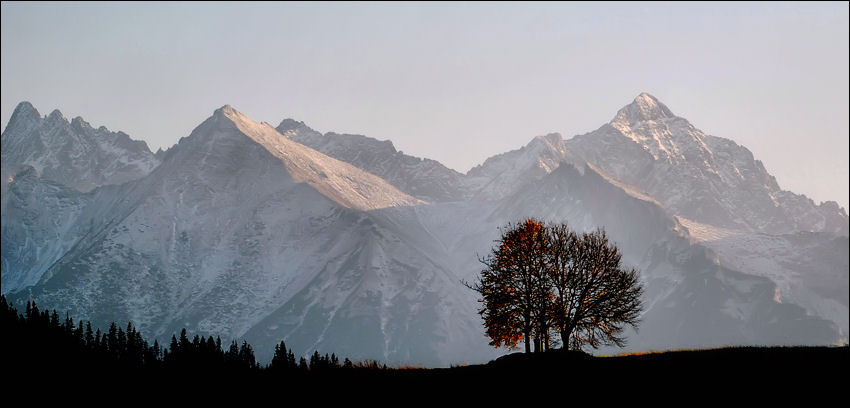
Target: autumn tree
(541,278)
(512,286)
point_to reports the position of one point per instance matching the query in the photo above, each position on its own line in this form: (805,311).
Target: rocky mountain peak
(56,116)
(291,124)
(645,107)
(24,110)
(551,140)
(72,153)
(226,110)
(24,117)
(78,123)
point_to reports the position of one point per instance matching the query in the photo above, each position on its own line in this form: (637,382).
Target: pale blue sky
(456,82)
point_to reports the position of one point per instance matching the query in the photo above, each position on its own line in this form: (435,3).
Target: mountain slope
(47,163)
(241,230)
(39,224)
(501,175)
(808,268)
(422,178)
(340,181)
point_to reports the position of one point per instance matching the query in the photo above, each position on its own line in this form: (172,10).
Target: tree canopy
(542,278)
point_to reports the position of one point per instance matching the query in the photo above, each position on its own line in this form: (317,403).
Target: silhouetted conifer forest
(43,338)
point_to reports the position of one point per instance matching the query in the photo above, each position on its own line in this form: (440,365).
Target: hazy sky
(455,82)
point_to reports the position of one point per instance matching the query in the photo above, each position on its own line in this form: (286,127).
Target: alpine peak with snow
(644,108)
(340,243)
(72,153)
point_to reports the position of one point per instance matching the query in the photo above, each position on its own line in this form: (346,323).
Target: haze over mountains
(340,243)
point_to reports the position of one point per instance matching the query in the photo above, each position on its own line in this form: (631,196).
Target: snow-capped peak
(25,109)
(57,116)
(22,120)
(72,153)
(652,125)
(339,181)
(644,107)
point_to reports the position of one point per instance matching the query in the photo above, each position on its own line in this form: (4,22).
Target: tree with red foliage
(541,278)
(512,286)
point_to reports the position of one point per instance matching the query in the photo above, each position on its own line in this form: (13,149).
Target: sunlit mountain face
(340,243)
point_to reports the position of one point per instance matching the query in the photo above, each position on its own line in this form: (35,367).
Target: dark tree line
(40,338)
(206,353)
(543,278)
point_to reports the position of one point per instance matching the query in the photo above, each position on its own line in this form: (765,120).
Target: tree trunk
(565,339)
(527,335)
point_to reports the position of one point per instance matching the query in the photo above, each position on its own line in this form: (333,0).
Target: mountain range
(341,243)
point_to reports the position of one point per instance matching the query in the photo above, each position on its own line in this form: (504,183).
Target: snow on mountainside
(39,225)
(700,177)
(47,163)
(71,153)
(809,268)
(703,178)
(244,231)
(340,181)
(422,178)
(503,174)
(653,154)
